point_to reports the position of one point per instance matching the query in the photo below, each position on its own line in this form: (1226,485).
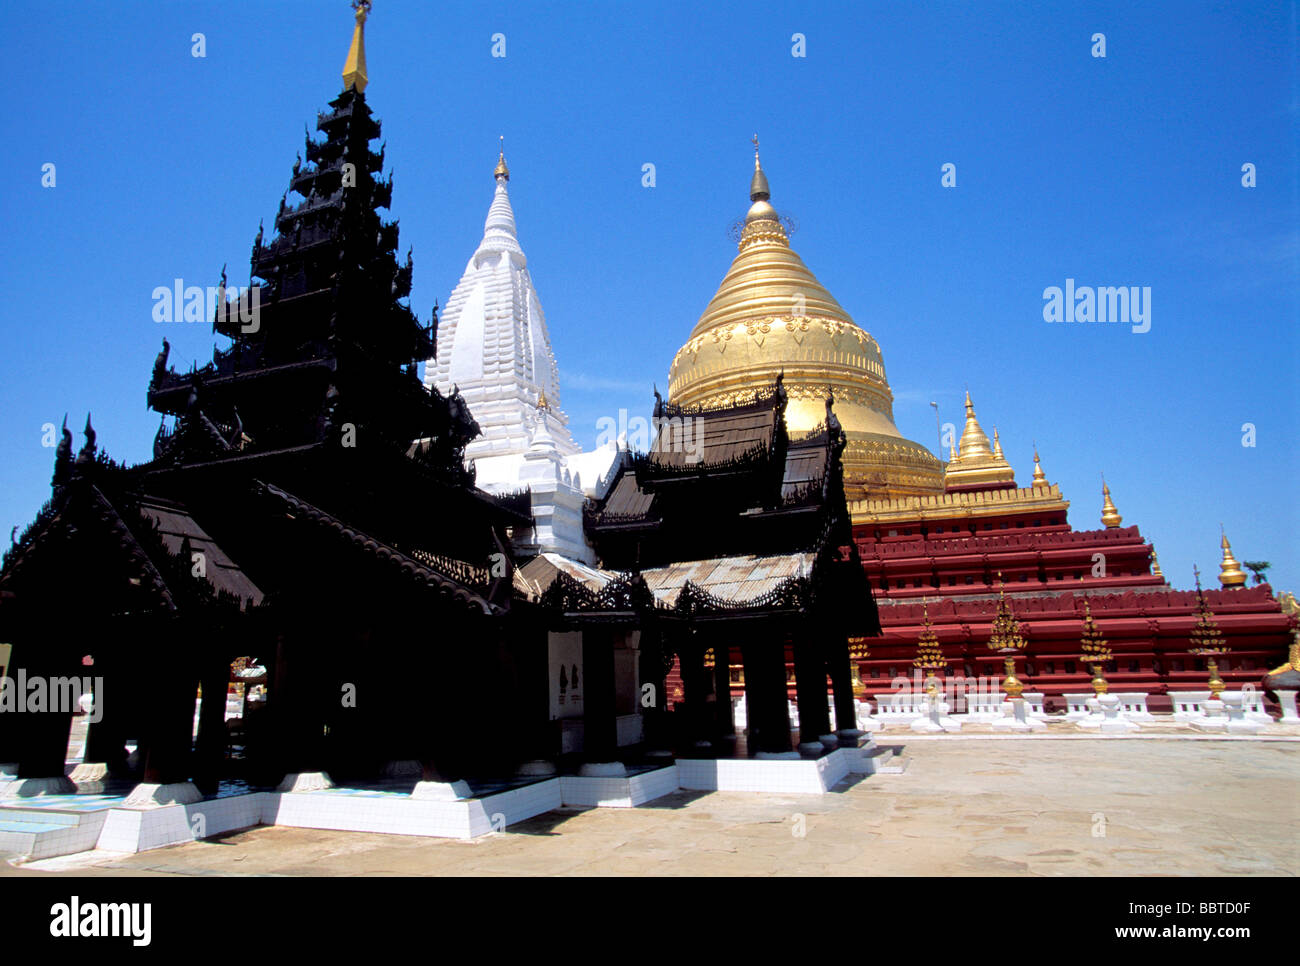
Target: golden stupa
(771,315)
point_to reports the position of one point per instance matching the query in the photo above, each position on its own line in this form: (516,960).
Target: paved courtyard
(963,807)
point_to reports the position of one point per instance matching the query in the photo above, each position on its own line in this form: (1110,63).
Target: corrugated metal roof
(735,579)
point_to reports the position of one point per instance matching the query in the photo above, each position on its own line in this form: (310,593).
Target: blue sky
(1117,171)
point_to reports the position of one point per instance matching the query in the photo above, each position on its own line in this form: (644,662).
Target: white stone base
(602,769)
(613,792)
(1286,699)
(776,775)
(31,787)
(1112,722)
(305,781)
(1015,718)
(88,772)
(8,770)
(441,791)
(536,769)
(155,796)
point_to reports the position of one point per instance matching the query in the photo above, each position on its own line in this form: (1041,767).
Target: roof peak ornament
(1040,478)
(758,188)
(502,172)
(1231,575)
(1110,517)
(354,68)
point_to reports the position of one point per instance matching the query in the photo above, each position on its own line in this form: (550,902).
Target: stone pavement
(970,807)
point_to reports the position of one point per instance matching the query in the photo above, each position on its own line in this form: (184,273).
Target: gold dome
(771,315)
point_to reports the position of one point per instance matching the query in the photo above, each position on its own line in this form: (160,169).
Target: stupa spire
(758,189)
(974,442)
(354,68)
(1230,573)
(1040,478)
(502,173)
(1110,517)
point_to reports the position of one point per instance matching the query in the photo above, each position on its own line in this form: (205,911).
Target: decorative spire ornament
(1207,640)
(502,173)
(858,651)
(1006,639)
(354,68)
(1231,576)
(1040,478)
(1110,517)
(1155,565)
(929,656)
(1096,653)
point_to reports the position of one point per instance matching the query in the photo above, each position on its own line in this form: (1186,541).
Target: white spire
(499,234)
(493,342)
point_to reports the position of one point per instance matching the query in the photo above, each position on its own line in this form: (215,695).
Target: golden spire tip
(354,68)
(501,171)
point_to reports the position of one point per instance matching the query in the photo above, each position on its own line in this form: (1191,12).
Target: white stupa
(494,347)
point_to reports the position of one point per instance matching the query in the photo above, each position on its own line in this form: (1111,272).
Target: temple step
(41,833)
(885,760)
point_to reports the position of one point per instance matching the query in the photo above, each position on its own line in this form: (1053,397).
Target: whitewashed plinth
(1238,722)
(89,772)
(1286,699)
(149,795)
(1015,718)
(767,774)
(305,781)
(1213,717)
(1112,722)
(602,769)
(441,791)
(618,792)
(937,719)
(538,768)
(32,787)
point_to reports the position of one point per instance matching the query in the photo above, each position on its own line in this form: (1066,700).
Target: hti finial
(758,189)
(501,171)
(354,68)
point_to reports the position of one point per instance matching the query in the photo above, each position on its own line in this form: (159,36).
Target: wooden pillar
(40,737)
(106,737)
(765,693)
(210,748)
(810,690)
(724,721)
(654,716)
(841,674)
(171,688)
(696,689)
(600,724)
